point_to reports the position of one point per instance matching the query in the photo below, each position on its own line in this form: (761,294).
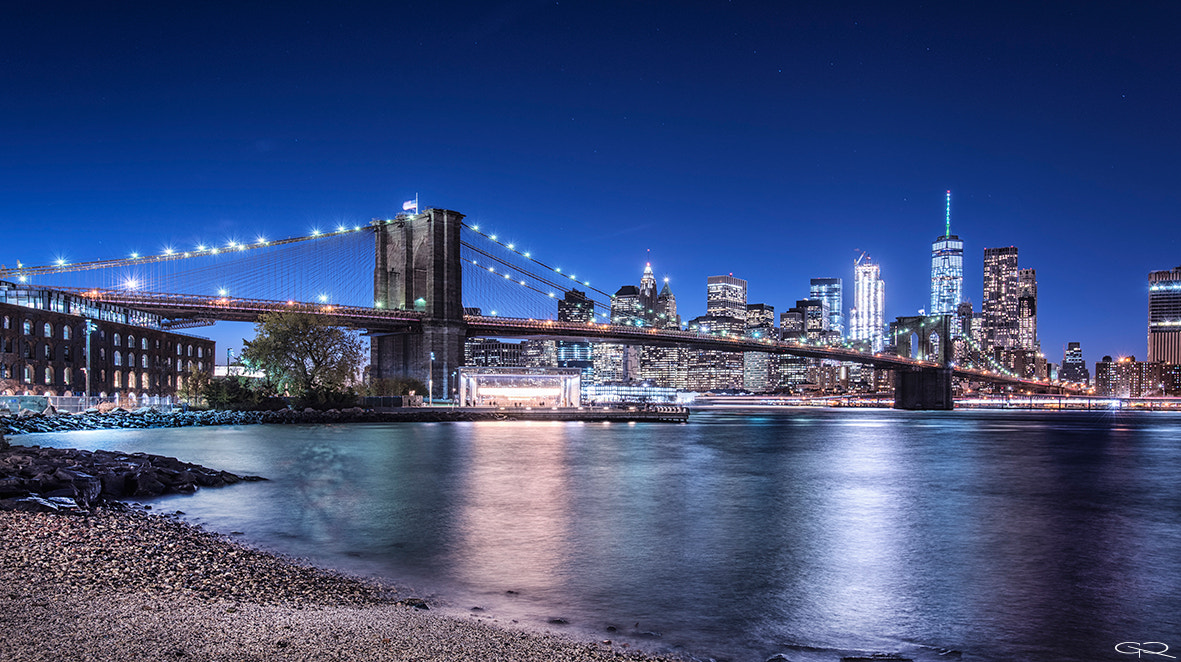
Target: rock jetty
(70,480)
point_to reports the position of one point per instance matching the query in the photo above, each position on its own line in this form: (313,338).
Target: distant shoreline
(146,419)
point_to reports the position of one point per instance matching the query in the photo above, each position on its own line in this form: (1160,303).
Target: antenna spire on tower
(948,232)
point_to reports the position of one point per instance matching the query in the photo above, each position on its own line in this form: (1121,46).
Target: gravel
(123,584)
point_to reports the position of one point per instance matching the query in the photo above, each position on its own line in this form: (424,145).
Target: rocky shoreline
(36,479)
(28,422)
(124,584)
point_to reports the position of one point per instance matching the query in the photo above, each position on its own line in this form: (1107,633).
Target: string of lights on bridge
(562,282)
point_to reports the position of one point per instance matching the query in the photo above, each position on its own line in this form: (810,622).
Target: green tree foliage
(192,390)
(242,394)
(304,357)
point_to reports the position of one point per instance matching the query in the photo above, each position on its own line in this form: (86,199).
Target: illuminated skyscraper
(869,303)
(999,305)
(1027,310)
(1074,368)
(725,296)
(648,294)
(829,291)
(947,270)
(576,307)
(1164,316)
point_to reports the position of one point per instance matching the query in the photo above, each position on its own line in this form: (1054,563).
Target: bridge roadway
(379,320)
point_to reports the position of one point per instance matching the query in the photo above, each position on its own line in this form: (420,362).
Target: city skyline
(800,138)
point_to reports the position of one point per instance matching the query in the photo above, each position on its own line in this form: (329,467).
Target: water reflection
(1008,535)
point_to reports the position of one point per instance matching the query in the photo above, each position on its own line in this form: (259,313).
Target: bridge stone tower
(418,267)
(924,387)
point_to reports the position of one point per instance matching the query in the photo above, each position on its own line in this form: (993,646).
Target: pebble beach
(120,583)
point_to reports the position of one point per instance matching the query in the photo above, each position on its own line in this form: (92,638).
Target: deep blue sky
(771,140)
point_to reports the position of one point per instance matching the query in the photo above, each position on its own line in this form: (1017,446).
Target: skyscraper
(869,303)
(665,365)
(648,293)
(1074,368)
(1164,316)
(947,270)
(725,296)
(757,367)
(576,307)
(1027,310)
(829,291)
(999,305)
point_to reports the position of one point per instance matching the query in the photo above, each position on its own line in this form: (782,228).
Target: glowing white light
(168,251)
(475,227)
(340,228)
(323,298)
(221,292)
(522,282)
(491,269)
(262,240)
(200,247)
(356,228)
(60,261)
(551,294)
(512,247)
(315,233)
(130,284)
(558,269)
(527,255)
(134,256)
(494,313)
(493,237)
(506,275)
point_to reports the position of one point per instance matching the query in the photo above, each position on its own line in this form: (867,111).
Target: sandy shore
(128,585)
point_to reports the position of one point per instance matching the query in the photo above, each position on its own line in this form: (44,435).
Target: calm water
(815,533)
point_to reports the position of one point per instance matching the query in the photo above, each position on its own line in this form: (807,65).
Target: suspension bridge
(420,284)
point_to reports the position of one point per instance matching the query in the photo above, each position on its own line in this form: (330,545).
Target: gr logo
(1139,649)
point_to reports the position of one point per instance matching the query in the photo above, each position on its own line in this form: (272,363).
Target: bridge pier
(923,389)
(418,267)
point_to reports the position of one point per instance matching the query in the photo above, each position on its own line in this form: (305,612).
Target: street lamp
(430,380)
(90,327)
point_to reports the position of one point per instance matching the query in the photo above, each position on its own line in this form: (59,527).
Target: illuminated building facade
(50,340)
(725,296)
(829,291)
(1074,368)
(760,369)
(869,304)
(999,304)
(665,366)
(947,270)
(518,387)
(1127,378)
(1027,310)
(1164,316)
(576,307)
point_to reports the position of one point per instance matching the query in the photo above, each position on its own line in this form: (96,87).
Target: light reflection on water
(1007,535)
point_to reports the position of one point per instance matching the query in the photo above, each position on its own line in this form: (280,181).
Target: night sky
(773,140)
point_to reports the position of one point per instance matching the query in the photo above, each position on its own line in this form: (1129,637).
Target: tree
(303,355)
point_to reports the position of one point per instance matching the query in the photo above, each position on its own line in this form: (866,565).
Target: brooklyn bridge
(437,281)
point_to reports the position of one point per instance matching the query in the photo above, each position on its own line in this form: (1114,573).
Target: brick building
(49,339)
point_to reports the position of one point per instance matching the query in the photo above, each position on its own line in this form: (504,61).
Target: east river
(809,532)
